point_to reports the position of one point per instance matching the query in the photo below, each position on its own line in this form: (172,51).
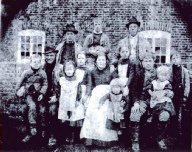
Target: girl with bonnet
(71,110)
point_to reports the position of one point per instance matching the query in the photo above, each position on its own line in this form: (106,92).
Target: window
(30,42)
(160,42)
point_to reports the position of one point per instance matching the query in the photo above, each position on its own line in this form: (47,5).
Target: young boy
(33,86)
(181,89)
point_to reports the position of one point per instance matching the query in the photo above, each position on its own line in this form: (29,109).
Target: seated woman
(94,129)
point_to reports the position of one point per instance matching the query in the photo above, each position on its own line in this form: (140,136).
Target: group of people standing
(83,93)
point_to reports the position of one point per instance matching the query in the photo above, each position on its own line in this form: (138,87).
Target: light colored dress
(115,108)
(122,73)
(67,101)
(159,93)
(94,126)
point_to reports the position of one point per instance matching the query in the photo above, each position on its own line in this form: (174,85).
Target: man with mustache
(53,71)
(68,49)
(136,44)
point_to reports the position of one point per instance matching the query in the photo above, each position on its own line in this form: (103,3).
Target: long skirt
(94,126)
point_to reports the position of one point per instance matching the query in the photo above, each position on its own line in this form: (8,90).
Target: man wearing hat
(137,45)
(68,49)
(53,70)
(96,42)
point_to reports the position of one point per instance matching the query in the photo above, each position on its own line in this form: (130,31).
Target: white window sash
(158,34)
(30,33)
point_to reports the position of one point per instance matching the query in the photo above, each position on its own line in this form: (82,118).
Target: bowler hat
(133,20)
(50,50)
(70,28)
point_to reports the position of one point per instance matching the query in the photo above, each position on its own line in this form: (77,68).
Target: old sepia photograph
(96,75)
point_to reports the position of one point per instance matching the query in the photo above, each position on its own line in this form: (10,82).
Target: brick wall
(52,15)
(10,72)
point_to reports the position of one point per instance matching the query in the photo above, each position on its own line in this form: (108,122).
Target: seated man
(142,105)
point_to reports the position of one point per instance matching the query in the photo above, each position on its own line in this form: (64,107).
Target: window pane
(22,39)
(157,50)
(150,41)
(22,54)
(157,42)
(34,47)
(163,59)
(157,59)
(23,47)
(163,42)
(39,47)
(27,39)
(39,39)
(163,50)
(27,54)
(34,39)
(27,47)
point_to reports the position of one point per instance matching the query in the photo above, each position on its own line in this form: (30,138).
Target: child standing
(32,86)
(181,89)
(71,110)
(115,118)
(126,69)
(86,83)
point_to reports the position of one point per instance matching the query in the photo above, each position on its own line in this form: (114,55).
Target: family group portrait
(91,75)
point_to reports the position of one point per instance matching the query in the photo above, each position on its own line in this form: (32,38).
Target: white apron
(95,119)
(122,73)
(67,101)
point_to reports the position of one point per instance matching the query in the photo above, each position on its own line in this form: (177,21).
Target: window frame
(158,34)
(30,33)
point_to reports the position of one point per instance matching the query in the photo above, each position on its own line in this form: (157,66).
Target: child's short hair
(124,47)
(163,69)
(35,56)
(101,54)
(148,55)
(120,49)
(68,62)
(115,82)
(97,20)
(174,52)
(81,53)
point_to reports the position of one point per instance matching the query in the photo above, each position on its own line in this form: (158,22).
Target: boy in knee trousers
(32,86)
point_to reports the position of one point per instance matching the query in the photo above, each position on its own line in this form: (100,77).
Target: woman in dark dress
(93,130)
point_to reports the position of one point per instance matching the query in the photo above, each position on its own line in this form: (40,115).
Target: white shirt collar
(98,33)
(134,37)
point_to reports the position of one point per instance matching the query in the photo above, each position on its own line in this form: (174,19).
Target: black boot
(161,135)
(134,132)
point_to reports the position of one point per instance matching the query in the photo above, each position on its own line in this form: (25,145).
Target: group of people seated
(86,93)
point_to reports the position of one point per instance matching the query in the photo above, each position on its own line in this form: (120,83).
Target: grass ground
(14,132)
